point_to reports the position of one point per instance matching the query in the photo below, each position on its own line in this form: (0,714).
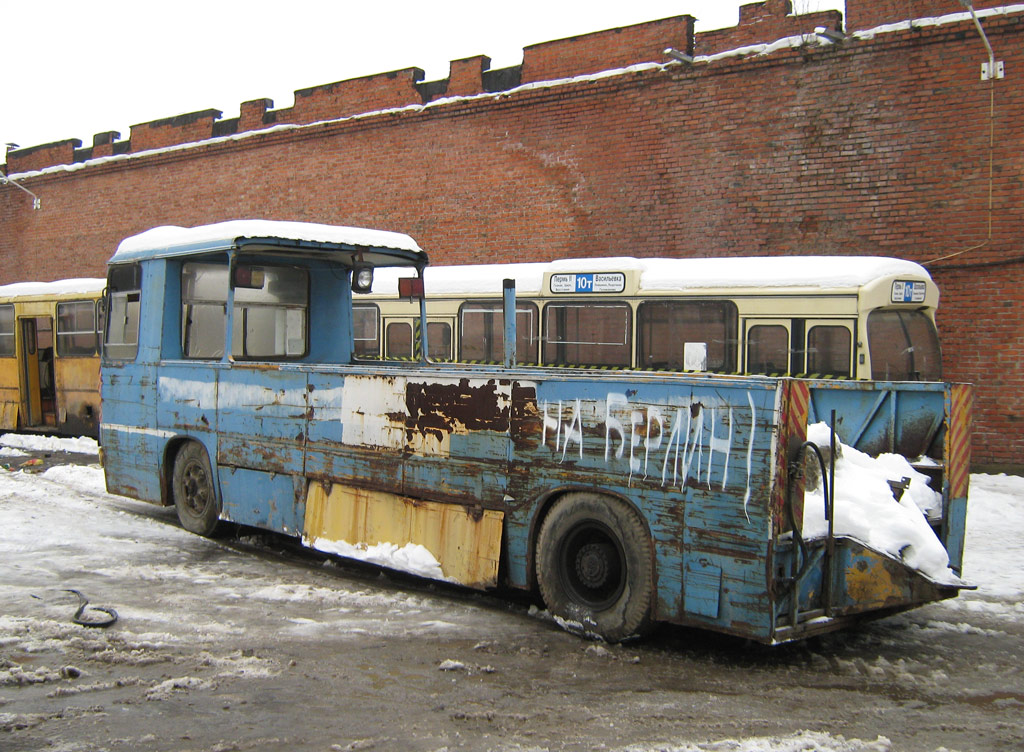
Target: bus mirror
(362,278)
(410,287)
(249,278)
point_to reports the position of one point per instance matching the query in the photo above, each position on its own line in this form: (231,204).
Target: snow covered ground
(59,529)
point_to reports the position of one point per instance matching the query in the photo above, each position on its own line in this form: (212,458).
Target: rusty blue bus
(232,389)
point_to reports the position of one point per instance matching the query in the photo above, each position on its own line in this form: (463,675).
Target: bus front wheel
(195,496)
(594,567)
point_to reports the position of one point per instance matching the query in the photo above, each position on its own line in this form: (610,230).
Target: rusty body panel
(466,543)
(474,461)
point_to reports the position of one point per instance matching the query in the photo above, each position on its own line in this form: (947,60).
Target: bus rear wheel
(195,495)
(594,567)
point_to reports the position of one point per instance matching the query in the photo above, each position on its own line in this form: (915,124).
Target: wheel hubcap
(593,569)
(593,563)
(195,487)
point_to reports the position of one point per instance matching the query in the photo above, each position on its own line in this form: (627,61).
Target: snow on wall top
(662,274)
(223,234)
(81,286)
(744,51)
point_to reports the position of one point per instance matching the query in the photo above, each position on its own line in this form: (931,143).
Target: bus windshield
(904,346)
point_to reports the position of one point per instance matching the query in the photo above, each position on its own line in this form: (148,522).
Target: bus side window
(482,332)
(828,351)
(366,331)
(439,340)
(272,304)
(398,340)
(76,328)
(6,331)
(666,327)
(587,334)
(204,298)
(768,349)
(124,290)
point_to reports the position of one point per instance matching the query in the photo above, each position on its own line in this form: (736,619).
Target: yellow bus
(836,317)
(49,356)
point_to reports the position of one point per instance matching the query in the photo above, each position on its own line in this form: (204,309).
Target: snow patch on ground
(167,689)
(81,445)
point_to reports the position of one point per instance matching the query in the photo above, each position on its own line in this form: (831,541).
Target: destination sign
(603,282)
(908,291)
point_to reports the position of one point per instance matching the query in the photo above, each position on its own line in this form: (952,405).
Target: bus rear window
(904,346)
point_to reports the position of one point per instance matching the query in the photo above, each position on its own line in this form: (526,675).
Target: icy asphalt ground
(236,644)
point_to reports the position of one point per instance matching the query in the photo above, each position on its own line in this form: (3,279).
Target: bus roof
(82,286)
(669,274)
(376,246)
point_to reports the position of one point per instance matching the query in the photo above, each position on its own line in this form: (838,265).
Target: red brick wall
(867,14)
(870,146)
(44,155)
(765,22)
(615,48)
(194,126)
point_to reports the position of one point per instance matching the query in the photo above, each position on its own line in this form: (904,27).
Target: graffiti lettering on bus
(673,444)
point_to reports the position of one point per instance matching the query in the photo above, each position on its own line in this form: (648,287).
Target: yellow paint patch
(467,545)
(10,393)
(870,584)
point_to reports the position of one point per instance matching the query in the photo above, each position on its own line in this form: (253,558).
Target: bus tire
(195,495)
(594,567)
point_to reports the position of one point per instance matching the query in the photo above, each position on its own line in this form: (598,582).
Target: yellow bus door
(31,400)
(38,395)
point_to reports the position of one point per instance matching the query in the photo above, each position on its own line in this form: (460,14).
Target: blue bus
(233,389)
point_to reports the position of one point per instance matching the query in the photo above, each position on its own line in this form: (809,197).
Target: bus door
(401,337)
(812,347)
(772,346)
(39,389)
(828,348)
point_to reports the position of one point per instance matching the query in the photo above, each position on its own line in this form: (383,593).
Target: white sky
(73,69)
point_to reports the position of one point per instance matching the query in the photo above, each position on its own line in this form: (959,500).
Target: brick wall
(867,14)
(876,145)
(766,22)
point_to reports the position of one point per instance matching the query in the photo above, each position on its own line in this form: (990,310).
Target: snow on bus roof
(222,234)
(773,271)
(469,279)
(665,274)
(80,286)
